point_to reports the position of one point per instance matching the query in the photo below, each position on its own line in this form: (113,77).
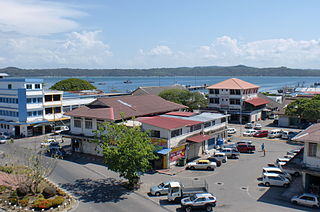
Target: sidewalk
(172,171)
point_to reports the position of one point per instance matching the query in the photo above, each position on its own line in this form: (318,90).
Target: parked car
(244,142)
(289,171)
(56,151)
(3,140)
(231,146)
(274,170)
(49,142)
(202,200)
(275,180)
(248,125)
(275,133)
(59,129)
(257,126)
(213,159)
(230,153)
(293,152)
(231,130)
(292,135)
(249,148)
(306,199)
(202,164)
(160,189)
(282,160)
(273,116)
(261,133)
(220,156)
(4,135)
(249,132)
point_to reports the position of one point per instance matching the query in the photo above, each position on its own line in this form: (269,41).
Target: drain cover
(219,183)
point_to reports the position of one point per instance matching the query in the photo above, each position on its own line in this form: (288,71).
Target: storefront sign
(177,153)
(159,142)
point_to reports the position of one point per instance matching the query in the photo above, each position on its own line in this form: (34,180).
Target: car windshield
(192,198)
(161,185)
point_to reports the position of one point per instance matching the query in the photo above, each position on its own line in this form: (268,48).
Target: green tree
(193,100)
(308,109)
(126,150)
(72,84)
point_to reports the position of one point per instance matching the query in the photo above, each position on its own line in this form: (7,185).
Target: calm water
(116,84)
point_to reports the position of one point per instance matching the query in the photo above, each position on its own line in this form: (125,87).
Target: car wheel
(296,174)
(224,160)
(192,167)
(218,164)
(157,194)
(286,185)
(208,208)
(295,202)
(267,184)
(188,209)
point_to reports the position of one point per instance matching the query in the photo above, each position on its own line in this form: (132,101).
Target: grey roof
(272,104)
(204,117)
(154,90)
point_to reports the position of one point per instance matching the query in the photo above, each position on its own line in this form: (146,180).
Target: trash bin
(181,162)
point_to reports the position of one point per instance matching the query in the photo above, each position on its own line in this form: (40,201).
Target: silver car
(160,189)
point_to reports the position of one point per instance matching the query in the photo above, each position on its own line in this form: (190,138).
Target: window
(195,127)
(176,133)
(223,120)
(66,108)
(29,100)
(74,106)
(48,110)
(56,97)
(214,100)
(207,124)
(88,123)
(213,123)
(9,86)
(211,91)
(48,98)
(37,86)
(216,91)
(234,101)
(39,99)
(155,133)
(77,122)
(234,92)
(29,86)
(57,110)
(312,150)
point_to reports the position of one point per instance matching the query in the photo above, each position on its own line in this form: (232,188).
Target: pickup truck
(249,148)
(178,190)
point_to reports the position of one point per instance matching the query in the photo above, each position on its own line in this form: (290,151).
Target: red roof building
(167,122)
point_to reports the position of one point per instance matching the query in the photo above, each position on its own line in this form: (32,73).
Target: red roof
(257,101)
(167,122)
(199,138)
(184,114)
(92,112)
(233,83)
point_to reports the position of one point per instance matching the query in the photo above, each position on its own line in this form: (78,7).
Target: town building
(85,120)
(184,135)
(27,109)
(309,164)
(237,98)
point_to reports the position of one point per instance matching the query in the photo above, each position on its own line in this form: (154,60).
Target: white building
(235,97)
(27,109)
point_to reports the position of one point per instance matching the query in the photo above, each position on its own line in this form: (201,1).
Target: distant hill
(239,70)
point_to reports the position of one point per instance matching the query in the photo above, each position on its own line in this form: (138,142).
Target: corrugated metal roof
(168,123)
(204,117)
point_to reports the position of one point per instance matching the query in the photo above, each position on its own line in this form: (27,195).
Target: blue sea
(116,84)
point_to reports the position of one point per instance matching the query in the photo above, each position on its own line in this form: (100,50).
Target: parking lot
(237,183)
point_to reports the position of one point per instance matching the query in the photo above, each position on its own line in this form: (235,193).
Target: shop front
(177,153)
(162,152)
(197,146)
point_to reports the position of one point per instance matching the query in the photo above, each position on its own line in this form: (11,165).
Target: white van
(275,134)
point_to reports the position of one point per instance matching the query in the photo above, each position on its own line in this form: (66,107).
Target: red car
(261,133)
(246,148)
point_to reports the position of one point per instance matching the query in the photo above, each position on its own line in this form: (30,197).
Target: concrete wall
(283,121)
(311,161)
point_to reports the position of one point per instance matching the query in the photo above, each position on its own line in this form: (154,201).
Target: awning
(199,138)
(257,101)
(163,151)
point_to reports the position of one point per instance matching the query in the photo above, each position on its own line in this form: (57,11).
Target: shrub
(13,200)
(61,192)
(42,204)
(22,190)
(24,202)
(49,192)
(72,84)
(6,169)
(3,188)
(57,201)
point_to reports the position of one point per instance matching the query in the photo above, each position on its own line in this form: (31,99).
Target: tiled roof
(312,134)
(129,106)
(199,138)
(257,101)
(233,83)
(272,104)
(167,122)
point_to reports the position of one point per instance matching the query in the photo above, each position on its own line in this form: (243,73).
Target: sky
(163,33)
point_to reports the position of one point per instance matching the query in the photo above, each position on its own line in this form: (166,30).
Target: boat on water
(102,83)
(127,81)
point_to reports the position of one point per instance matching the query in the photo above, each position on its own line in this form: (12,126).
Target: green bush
(3,188)
(13,200)
(6,169)
(57,201)
(72,84)
(24,202)
(42,204)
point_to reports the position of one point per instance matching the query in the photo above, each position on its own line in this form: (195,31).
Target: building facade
(237,98)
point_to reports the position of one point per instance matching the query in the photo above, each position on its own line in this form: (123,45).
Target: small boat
(91,81)
(102,83)
(127,81)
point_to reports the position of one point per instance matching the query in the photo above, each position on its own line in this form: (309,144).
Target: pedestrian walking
(263,149)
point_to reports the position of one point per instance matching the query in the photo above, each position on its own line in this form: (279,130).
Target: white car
(248,125)
(231,130)
(160,189)
(274,170)
(285,160)
(275,133)
(293,152)
(257,126)
(220,156)
(230,152)
(48,142)
(306,199)
(275,180)
(3,140)
(202,164)
(60,129)
(249,132)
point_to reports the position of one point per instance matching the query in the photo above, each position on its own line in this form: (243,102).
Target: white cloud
(77,50)
(158,51)
(35,17)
